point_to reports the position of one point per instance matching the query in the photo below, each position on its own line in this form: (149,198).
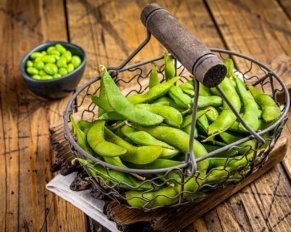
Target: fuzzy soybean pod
(144,138)
(153,93)
(226,117)
(202,124)
(270,110)
(206,101)
(188,87)
(188,119)
(95,138)
(154,77)
(120,104)
(171,115)
(231,138)
(157,164)
(251,109)
(136,155)
(81,136)
(170,70)
(112,177)
(178,139)
(167,101)
(179,97)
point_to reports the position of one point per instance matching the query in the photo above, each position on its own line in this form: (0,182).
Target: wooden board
(177,219)
(24,139)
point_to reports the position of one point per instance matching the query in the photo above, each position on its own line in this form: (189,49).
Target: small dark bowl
(59,87)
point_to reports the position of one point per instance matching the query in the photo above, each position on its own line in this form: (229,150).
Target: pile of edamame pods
(151,131)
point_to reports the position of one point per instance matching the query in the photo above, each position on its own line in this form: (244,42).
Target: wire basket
(184,183)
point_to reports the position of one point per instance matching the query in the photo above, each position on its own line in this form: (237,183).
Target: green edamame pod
(187,129)
(178,139)
(154,78)
(202,124)
(84,125)
(167,101)
(170,70)
(81,136)
(136,155)
(180,98)
(270,110)
(113,177)
(95,138)
(157,164)
(161,197)
(230,138)
(153,93)
(144,138)
(226,117)
(111,116)
(188,87)
(171,116)
(251,109)
(120,104)
(188,119)
(206,101)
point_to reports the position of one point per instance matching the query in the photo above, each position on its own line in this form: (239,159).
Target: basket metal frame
(189,166)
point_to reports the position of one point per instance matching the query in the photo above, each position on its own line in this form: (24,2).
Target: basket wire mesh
(133,79)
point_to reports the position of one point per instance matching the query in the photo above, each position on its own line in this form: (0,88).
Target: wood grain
(25,119)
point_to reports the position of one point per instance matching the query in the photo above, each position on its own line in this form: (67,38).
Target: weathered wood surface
(25,153)
(109,31)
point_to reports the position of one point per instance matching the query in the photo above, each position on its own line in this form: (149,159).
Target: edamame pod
(95,138)
(153,93)
(136,155)
(178,139)
(154,78)
(170,70)
(144,138)
(226,117)
(271,110)
(81,136)
(120,104)
(171,116)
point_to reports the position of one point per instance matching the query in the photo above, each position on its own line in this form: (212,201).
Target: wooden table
(109,31)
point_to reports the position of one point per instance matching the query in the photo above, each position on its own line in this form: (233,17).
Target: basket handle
(194,55)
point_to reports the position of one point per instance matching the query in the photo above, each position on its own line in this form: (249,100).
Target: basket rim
(71,139)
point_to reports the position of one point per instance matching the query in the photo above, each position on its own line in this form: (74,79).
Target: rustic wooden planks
(25,150)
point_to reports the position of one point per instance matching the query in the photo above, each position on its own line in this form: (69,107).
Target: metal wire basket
(134,79)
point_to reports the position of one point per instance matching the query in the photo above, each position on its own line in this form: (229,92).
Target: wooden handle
(194,55)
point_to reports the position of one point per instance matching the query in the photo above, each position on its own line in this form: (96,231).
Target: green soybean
(180,98)
(153,93)
(76,61)
(60,48)
(63,71)
(120,104)
(29,63)
(178,139)
(35,55)
(95,138)
(39,65)
(70,68)
(32,70)
(170,70)
(50,68)
(154,78)
(171,115)
(136,155)
(48,59)
(270,110)
(226,118)
(62,62)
